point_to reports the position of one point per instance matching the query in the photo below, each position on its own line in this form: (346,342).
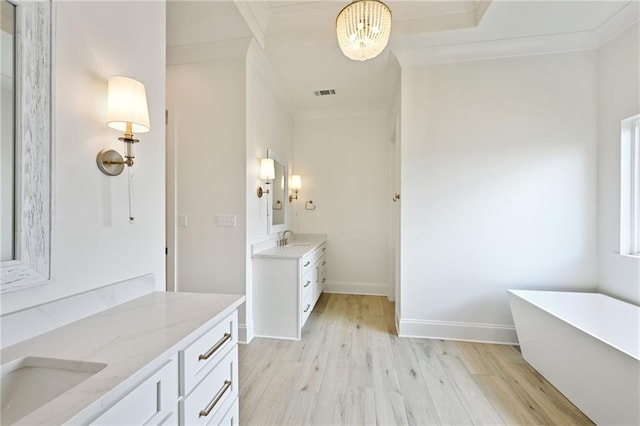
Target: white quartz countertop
(294,250)
(133,339)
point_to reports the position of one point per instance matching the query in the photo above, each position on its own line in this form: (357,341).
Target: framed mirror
(276,205)
(27,37)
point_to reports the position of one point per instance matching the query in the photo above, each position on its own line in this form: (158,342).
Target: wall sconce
(127,111)
(267,173)
(295,183)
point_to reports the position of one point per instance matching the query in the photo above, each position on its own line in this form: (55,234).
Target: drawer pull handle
(216,399)
(324,248)
(307,308)
(307,264)
(324,280)
(324,262)
(215,347)
(307,284)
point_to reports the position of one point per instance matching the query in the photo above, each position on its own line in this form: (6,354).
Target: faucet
(284,240)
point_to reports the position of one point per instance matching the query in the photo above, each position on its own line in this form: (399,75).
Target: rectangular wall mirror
(27,37)
(277,206)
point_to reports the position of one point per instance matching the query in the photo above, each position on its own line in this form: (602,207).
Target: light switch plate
(226,220)
(182,220)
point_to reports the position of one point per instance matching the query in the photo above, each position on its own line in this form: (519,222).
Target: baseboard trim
(354,287)
(245,336)
(468,332)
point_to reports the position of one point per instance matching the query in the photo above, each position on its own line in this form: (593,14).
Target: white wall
(345,169)
(206,102)
(618,98)
(93,242)
(269,125)
(498,189)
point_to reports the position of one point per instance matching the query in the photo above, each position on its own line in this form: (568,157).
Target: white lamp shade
(267,169)
(295,182)
(127,103)
(363,28)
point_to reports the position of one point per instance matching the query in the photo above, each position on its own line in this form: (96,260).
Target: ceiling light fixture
(363,29)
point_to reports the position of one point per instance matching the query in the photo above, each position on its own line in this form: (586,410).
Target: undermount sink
(29,383)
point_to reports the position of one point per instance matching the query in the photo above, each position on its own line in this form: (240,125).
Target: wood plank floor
(351,369)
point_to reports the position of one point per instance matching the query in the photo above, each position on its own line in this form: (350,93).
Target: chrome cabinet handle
(307,308)
(307,264)
(216,399)
(215,347)
(307,284)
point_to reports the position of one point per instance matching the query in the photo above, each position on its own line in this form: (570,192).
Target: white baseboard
(470,332)
(245,334)
(354,287)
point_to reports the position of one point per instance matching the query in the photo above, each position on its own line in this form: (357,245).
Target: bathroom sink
(29,383)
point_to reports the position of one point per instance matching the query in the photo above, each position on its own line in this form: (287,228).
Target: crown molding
(256,14)
(625,17)
(495,49)
(622,20)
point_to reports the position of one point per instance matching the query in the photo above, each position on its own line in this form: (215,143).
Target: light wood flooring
(350,368)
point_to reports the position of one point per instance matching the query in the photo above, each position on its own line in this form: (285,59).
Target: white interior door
(395,218)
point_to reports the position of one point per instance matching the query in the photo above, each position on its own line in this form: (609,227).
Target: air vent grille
(326,92)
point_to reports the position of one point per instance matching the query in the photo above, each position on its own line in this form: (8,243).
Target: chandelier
(363,29)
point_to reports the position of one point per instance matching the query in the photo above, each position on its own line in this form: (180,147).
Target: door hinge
(166,117)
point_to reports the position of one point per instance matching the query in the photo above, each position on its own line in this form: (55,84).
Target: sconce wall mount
(127,111)
(267,173)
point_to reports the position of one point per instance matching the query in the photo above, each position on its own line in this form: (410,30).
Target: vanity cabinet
(286,288)
(197,386)
(209,375)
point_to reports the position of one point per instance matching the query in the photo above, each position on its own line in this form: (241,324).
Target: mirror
(26,204)
(7,122)
(277,207)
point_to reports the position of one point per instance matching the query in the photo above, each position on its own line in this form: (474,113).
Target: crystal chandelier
(363,29)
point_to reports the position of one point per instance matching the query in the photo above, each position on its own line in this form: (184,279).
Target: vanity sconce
(267,173)
(295,183)
(127,111)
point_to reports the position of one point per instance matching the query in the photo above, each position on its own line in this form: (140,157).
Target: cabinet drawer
(312,258)
(202,355)
(308,281)
(153,402)
(306,308)
(232,417)
(213,397)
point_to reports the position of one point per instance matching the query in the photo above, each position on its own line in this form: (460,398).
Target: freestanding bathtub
(587,345)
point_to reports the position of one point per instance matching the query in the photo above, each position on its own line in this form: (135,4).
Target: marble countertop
(133,339)
(297,248)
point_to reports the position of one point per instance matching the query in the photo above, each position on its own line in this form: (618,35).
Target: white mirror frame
(34,145)
(271,228)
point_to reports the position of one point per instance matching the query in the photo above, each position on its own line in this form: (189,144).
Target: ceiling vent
(327,92)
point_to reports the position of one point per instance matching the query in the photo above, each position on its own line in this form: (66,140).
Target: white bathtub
(587,345)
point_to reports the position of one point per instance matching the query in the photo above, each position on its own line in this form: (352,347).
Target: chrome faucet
(284,240)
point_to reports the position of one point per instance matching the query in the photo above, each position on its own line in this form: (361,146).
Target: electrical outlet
(182,220)
(226,220)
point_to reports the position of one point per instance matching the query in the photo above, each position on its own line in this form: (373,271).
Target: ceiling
(299,38)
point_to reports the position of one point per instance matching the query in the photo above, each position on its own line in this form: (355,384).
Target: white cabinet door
(153,402)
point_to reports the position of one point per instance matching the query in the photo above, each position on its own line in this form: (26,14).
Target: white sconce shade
(267,169)
(295,182)
(127,103)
